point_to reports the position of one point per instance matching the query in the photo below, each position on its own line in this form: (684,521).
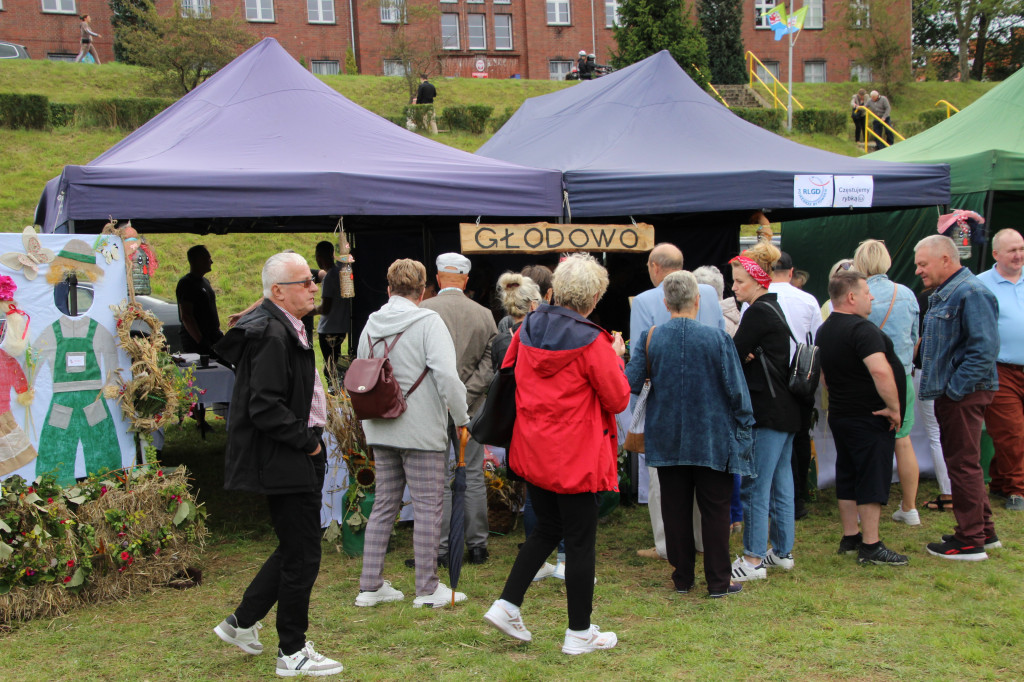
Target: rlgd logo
(818,192)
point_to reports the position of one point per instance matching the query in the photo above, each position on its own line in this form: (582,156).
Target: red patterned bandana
(754,270)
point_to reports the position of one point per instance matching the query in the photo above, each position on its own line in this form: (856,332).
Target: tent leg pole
(989,201)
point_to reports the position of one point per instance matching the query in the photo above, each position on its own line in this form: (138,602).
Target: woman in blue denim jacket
(895,312)
(698,430)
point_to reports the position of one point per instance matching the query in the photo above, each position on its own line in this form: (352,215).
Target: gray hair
(517,293)
(940,245)
(712,276)
(681,291)
(998,237)
(276,267)
(578,279)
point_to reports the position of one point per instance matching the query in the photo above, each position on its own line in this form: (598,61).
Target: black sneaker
(850,544)
(881,556)
(732,589)
(991,542)
(956,550)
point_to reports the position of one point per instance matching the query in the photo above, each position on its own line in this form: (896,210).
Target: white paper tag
(812,191)
(75,362)
(855,191)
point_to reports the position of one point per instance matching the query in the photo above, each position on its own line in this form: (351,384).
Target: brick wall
(44,33)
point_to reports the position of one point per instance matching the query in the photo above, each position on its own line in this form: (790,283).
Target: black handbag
(492,424)
(804,369)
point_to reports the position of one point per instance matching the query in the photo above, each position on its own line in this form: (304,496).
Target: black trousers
(287,576)
(858,128)
(801,461)
(713,489)
(573,517)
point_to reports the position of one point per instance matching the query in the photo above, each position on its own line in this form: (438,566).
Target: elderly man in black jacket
(278,410)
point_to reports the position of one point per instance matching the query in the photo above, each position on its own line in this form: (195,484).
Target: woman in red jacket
(569,387)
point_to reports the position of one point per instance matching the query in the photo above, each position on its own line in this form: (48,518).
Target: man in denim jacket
(959,345)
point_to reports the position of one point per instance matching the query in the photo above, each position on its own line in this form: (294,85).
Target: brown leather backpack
(372,387)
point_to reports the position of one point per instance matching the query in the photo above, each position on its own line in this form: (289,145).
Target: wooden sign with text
(555,237)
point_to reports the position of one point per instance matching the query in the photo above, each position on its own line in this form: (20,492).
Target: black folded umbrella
(457,526)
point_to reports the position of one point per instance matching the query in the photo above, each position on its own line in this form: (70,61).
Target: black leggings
(573,517)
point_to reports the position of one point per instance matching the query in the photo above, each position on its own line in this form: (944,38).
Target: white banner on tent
(813,191)
(854,191)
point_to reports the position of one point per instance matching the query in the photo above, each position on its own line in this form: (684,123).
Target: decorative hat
(453,263)
(76,256)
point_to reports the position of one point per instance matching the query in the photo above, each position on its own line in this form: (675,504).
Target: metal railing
(870,129)
(772,89)
(713,89)
(949,107)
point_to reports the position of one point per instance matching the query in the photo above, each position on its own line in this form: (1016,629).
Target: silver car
(12,51)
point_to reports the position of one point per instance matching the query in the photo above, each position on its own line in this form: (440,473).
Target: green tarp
(984,147)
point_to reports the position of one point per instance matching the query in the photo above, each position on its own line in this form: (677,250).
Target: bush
(62,114)
(819,121)
(24,111)
(420,115)
(479,115)
(397,120)
(769,119)
(501,119)
(123,113)
(472,119)
(932,117)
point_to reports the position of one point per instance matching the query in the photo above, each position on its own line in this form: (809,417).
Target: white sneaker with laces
(742,571)
(774,560)
(559,571)
(508,621)
(442,597)
(306,661)
(384,593)
(911,518)
(546,571)
(593,640)
(246,639)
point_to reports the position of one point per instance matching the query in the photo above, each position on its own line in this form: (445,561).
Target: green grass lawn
(829,618)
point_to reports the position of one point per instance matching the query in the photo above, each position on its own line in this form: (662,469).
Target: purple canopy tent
(263,138)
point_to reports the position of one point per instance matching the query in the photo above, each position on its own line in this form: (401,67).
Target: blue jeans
(736,506)
(769,495)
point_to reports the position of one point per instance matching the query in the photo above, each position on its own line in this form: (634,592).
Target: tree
(350,62)
(124,15)
(648,26)
(971,22)
(720,22)
(406,40)
(182,52)
(876,32)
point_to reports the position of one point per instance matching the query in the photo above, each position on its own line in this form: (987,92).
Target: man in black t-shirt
(197,304)
(867,395)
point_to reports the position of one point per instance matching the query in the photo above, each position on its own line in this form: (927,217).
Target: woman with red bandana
(762,341)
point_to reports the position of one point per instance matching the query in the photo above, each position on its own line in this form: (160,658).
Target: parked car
(167,313)
(12,51)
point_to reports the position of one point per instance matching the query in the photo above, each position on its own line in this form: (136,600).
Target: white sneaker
(559,571)
(911,518)
(306,661)
(246,639)
(742,571)
(442,597)
(784,562)
(593,641)
(546,571)
(510,623)
(384,593)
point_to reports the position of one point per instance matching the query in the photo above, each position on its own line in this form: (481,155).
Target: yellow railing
(720,98)
(949,107)
(772,89)
(869,129)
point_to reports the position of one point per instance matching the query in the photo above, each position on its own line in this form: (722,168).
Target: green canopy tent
(984,147)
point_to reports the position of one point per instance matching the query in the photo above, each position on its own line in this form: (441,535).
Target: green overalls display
(78,412)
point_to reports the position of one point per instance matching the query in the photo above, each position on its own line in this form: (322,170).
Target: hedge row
(769,119)
(471,119)
(36,112)
(819,121)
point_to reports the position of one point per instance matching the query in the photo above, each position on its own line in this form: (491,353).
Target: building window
(814,72)
(325,67)
(558,69)
(815,14)
(558,12)
(320,11)
(502,2)
(475,2)
(860,14)
(392,11)
(477,24)
(502,31)
(259,10)
(859,73)
(611,13)
(196,8)
(448,0)
(761,9)
(59,6)
(60,56)
(450,31)
(394,67)
(769,73)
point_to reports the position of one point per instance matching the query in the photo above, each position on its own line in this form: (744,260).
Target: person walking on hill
(87,36)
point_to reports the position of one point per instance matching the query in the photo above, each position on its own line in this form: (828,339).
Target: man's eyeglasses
(306,283)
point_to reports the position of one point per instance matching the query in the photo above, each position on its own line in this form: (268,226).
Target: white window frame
(814,64)
(761,9)
(768,69)
(320,11)
(815,18)
(558,13)
(474,2)
(197,9)
(446,41)
(325,67)
(555,69)
(392,11)
(476,31)
(862,72)
(395,67)
(502,2)
(259,11)
(58,7)
(503,32)
(611,13)
(858,6)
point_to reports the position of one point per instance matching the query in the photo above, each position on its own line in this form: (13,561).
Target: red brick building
(529,38)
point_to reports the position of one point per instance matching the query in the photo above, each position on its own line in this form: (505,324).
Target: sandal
(939,504)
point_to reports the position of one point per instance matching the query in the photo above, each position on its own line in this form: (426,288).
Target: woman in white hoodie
(412,448)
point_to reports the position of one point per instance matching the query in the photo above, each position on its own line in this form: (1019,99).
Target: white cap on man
(453,263)
(583,53)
